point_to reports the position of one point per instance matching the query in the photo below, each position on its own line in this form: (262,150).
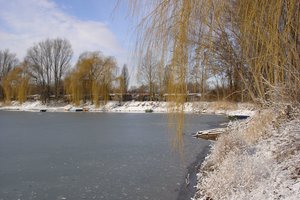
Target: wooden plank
(210,134)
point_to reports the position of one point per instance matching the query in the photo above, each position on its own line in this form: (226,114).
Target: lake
(49,156)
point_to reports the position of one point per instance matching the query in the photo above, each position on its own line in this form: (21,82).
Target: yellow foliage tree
(92,78)
(16,84)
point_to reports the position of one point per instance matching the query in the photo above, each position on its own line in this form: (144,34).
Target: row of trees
(155,79)
(46,70)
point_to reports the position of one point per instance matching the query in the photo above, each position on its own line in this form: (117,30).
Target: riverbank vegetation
(256,159)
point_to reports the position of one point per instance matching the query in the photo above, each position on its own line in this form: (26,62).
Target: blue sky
(90,25)
(111,12)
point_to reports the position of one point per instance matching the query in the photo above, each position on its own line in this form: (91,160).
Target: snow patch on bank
(258,159)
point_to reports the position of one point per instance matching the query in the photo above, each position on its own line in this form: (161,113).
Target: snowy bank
(258,158)
(34,106)
(137,107)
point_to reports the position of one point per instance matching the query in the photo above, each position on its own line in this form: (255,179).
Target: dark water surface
(49,156)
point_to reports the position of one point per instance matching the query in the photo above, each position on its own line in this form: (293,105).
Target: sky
(90,25)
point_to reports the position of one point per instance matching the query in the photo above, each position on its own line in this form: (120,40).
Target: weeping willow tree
(8,61)
(271,48)
(91,79)
(253,44)
(16,84)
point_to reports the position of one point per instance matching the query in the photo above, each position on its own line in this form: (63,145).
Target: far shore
(202,107)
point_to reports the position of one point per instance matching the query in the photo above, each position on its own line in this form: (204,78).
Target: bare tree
(62,54)
(48,61)
(147,73)
(7,62)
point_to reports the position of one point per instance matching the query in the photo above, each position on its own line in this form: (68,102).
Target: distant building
(190,97)
(34,97)
(120,97)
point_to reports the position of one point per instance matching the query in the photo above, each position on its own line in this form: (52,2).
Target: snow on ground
(258,159)
(34,106)
(136,107)
(241,113)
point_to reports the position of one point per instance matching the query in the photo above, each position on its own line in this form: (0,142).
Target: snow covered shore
(258,159)
(137,107)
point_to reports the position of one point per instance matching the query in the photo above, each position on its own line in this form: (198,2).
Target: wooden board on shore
(210,134)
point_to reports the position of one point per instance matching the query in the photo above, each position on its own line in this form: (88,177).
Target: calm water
(96,156)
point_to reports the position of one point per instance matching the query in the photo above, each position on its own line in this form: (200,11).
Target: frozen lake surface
(110,156)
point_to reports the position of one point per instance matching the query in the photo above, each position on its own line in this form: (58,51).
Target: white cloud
(23,23)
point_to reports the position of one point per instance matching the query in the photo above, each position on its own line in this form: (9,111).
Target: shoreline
(188,191)
(217,108)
